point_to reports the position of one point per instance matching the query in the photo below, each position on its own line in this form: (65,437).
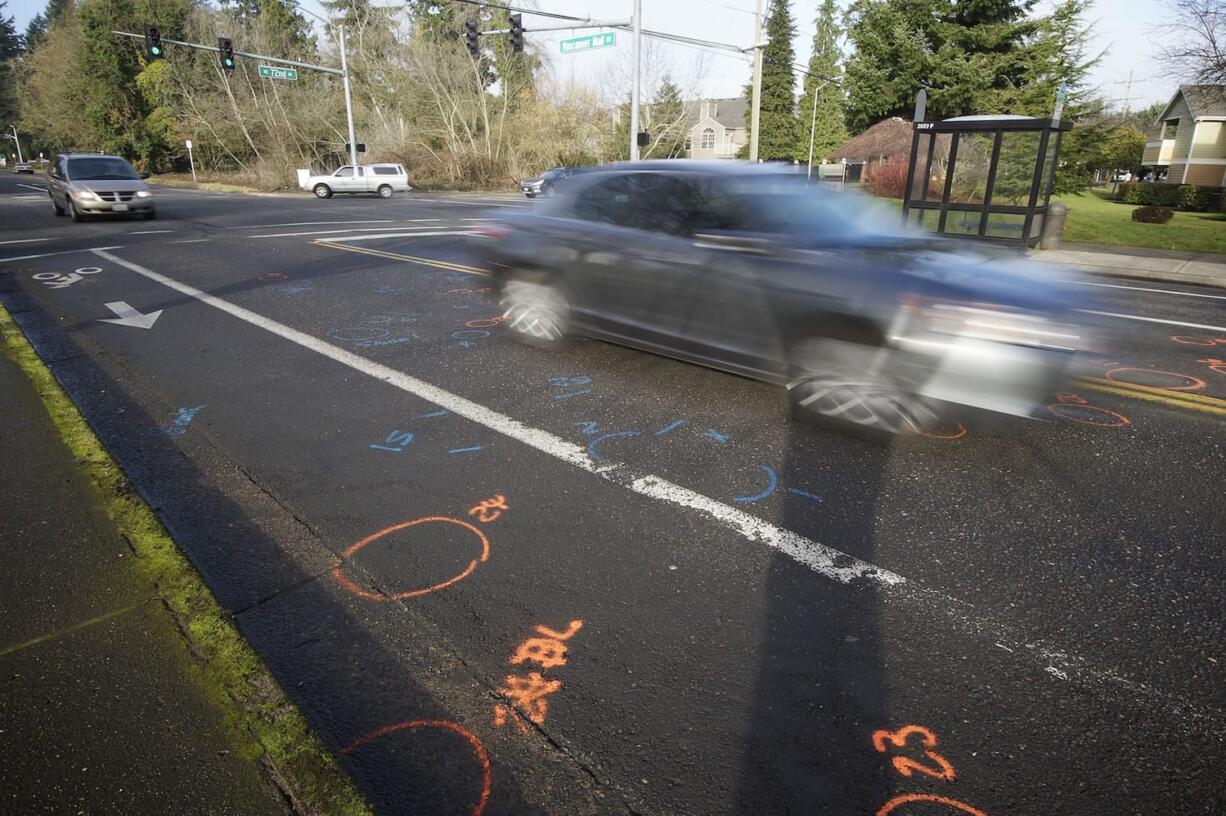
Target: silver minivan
(84,184)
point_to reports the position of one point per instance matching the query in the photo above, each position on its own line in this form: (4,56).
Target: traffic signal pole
(637,25)
(756,102)
(353,144)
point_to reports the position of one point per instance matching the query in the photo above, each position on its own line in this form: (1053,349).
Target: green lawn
(1095,219)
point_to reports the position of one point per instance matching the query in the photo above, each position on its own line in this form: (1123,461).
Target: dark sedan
(752,270)
(546,184)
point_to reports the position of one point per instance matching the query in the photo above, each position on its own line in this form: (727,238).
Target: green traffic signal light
(155,51)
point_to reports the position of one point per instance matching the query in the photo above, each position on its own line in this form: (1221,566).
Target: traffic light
(153,42)
(225,50)
(517,33)
(471,37)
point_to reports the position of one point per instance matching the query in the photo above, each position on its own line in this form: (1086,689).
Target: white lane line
(350,238)
(150,232)
(330,231)
(1141,289)
(826,561)
(461,201)
(313,224)
(25,241)
(1156,320)
(192,241)
(64,252)
(32,187)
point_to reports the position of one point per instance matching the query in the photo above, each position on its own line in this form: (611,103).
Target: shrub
(887,179)
(1193,199)
(1178,196)
(1152,215)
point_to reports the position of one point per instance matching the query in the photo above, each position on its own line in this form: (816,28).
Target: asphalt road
(698,605)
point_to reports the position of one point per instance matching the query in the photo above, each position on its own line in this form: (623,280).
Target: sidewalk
(101,711)
(1170,266)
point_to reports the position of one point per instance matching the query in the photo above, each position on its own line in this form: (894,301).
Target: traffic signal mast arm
(587,23)
(324,68)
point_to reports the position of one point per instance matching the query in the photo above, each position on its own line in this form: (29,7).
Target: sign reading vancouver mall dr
(276,72)
(587,43)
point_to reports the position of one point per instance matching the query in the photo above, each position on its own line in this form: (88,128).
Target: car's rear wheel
(535,311)
(76,214)
(322,191)
(56,208)
(385,191)
(854,386)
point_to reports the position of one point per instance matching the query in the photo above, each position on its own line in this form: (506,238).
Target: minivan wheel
(851,386)
(322,191)
(76,214)
(56,208)
(385,191)
(535,311)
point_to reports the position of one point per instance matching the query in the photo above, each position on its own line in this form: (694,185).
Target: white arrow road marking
(823,560)
(125,315)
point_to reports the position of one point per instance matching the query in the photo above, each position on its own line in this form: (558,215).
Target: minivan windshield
(100,168)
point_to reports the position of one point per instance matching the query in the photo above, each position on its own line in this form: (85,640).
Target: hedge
(1178,196)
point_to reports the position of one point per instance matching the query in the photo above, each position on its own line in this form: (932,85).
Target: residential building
(716,128)
(1188,140)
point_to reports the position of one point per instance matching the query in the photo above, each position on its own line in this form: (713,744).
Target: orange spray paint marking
(1192,384)
(905,765)
(487,777)
(961,807)
(529,694)
(485,322)
(958,434)
(338,573)
(490,509)
(1215,364)
(548,651)
(1193,340)
(1076,409)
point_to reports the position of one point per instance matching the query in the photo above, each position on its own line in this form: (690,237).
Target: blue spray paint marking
(717,436)
(804,493)
(178,423)
(562,382)
(464,334)
(431,414)
(770,488)
(570,394)
(591,446)
(589,428)
(296,288)
(672,426)
(391,341)
(465,450)
(396,441)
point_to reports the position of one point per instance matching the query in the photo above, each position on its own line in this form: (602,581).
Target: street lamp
(16,141)
(813,122)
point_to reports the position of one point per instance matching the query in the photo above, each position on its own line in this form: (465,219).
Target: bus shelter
(983,177)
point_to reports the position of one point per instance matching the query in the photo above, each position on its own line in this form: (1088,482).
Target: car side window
(344,172)
(664,203)
(606,202)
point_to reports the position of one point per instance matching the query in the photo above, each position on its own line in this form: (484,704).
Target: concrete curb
(1137,267)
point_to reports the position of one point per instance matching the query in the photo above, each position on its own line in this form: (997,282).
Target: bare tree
(1198,36)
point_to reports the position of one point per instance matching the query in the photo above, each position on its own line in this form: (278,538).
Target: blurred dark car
(751,270)
(24,167)
(546,184)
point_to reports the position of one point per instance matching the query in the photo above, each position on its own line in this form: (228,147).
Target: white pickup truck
(381,179)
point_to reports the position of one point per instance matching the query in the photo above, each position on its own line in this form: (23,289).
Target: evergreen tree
(666,123)
(777,117)
(10,49)
(39,23)
(825,82)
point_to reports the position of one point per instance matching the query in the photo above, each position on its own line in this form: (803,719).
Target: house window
(708,139)
(1169,127)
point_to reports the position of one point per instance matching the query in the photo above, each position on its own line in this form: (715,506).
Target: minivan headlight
(84,195)
(144,194)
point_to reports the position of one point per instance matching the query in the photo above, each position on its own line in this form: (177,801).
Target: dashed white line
(32,187)
(64,252)
(25,241)
(825,561)
(150,232)
(192,241)
(314,223)
(350,238)
(1156,320)
(1145,289)
(329,232)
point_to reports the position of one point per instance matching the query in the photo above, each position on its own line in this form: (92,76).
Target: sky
(1125,30)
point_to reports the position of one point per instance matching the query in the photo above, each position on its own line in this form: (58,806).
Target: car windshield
(100,168)
(788,205)
(553,172)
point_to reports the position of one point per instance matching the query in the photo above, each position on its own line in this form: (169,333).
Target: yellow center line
(1178,399)
(396,256)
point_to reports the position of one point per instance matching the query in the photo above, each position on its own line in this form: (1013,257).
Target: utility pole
(637,24)
(756,102)
(817,89)
(353,144)
(17,142)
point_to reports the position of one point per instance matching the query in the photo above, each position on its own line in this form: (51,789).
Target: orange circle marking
(1196,382)
(487,776)
(890,806)
(958,434)
(485,322)
(1193,340)
(341,578)
(1114,420)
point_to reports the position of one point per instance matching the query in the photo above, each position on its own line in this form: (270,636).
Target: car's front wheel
(535,311)
(385,191)
(322,191)
(76,214)
(854,385)
(56,208)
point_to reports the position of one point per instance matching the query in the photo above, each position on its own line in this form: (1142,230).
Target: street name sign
(276,72)
(587,43)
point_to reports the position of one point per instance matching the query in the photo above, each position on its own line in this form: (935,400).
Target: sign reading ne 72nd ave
(587,43)
(275,72)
